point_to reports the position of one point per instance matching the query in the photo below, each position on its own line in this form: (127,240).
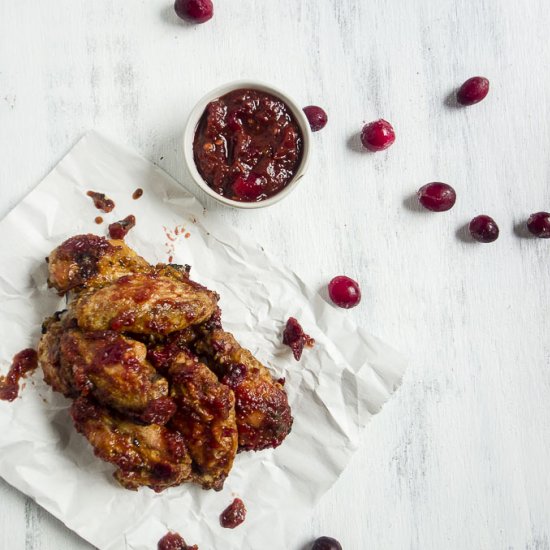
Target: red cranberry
(316,116)
(473,90)
(326,543)
(484,229)
(539,224)
(248,189)
(195,11)
(344,292)
(437,196)
(378,135)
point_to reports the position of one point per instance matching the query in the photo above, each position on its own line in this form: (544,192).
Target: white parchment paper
(333,391)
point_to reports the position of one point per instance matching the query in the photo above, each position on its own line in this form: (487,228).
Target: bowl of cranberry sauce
(247,144)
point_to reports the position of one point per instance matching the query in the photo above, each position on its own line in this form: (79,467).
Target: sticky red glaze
(159,411)
(162,356)
(295,337)
(23,363)
(236,373)
(233,515)
(248,145)
(101,202)
(119,230)
(137,193)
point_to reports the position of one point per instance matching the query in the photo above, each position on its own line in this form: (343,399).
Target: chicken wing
(205,417)
(145,304)
(89,260)
(114,370)
(49,360)
(152,456)
(261,403)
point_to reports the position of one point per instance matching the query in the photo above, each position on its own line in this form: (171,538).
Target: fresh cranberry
(326,543)
(248,189)
(295,337)
(539,224)
(484,229)
(344,292)
(377,135)
(195,11)
(437,196)
(316,116)
(473,90)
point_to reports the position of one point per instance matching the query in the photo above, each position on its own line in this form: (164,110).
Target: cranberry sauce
(119,230)
(295,337)
(233,515)
(248,145)
(174,541)
(101,202)
(23,363)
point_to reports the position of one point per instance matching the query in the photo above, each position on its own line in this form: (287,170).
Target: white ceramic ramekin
(196,115)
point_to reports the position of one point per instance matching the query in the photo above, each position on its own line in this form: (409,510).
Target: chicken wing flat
(152,456)
(263,413)
(90,260)
(205,417)
(58,378)
(115,371)
(145,304)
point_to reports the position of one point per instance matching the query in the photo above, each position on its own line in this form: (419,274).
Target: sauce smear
(173,541)
(24,362)
(119,230)
(233,515)
(101,202)
(98,220)
(137,193)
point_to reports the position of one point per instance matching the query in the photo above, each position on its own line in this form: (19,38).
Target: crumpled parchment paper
(333,391)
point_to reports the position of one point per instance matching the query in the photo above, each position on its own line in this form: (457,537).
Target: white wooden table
(459,458)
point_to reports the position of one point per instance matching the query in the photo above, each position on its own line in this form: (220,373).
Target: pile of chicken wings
(159,389)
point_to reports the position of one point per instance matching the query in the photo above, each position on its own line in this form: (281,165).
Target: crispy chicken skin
(205,417)
(89,260)
(152,456)
(261,403)
(145,304)
(115,371)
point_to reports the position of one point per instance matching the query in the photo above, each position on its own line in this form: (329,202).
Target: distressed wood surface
(459,457)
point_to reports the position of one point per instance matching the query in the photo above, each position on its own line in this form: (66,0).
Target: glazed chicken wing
(57,377)
(261,403)
(152,456)
(89,261)
(205,417)
(145,304)
(114,370)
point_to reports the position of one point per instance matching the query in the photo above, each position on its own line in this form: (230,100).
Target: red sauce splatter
(295,337)
(101,202)
(233,515)
(159,411)
(98,220)
(137,193)
(173,541)
(187,235)
(170,259)
(119,230)
(24,362)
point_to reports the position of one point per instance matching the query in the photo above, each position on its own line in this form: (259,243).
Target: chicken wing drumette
(115,371)
(152,456)
(263,413)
